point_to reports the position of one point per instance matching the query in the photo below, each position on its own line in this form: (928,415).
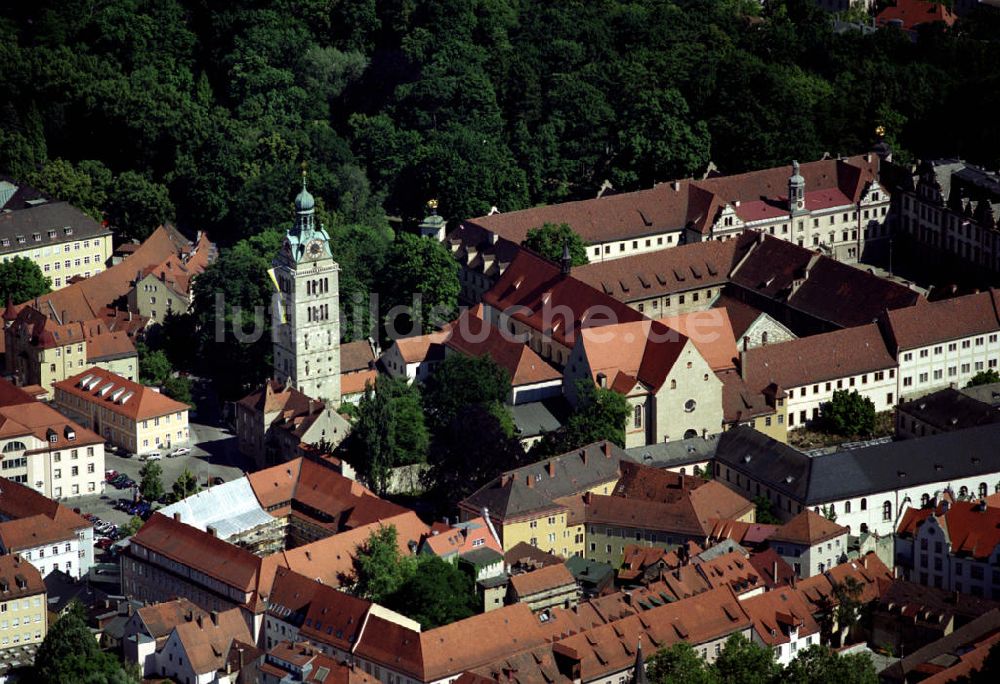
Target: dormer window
(37,237)
(20,239)
(67,230)
(52,234)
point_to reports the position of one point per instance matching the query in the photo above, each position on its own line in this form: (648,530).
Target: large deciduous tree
(70,653)
(550,239)
(848,413)
(22,280)
(421,287)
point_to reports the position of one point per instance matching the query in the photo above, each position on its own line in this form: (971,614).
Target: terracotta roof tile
(31,519)
(207,641)
(534,292)
(543,579)
(664,272)
(913,13)
(626,353)
(114,393)
(19,578)
(160,619)
(356,356)
(712,335)
(473,336)
(776,613)
(818,358)
(944,320)
(808,528)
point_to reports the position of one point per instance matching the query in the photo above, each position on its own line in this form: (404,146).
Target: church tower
(796,191)
(307,330)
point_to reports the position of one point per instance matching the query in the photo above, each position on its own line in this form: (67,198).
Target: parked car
(153,456)
(110,475)
(183,451)
(104,543)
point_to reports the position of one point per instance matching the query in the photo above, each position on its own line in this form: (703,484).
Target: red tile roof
(99,387)
(818,358)
(19,578)
(544,579)
(200,551)
(610,648)
(973,529)
(944,320)
(654,274)
(31,519)
(913,13)
(808,528)
(776,613)
(867,570)
(626,353)
(88,299)
(712,335)
(692,203)
(534,292)
(472,336)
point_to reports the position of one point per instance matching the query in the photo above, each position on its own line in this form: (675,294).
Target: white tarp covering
(230,508)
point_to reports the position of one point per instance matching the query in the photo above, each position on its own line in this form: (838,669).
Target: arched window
(763,337)
(637,418)
(983,490)
(690,434)
(847,507)
(924,500)
(963,492)
(673,385)
(864,504)
(13,446)
(864,528)
(887,510)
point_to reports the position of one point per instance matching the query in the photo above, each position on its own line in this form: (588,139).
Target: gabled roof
(944,320)
(869,571)
(19,578)
(356,356)
(207,641)
(817,358)
(534,487)
(534,292)
(973,529)
(664,272)
(201,551)
(772,568)
(31,519)
(693,204)
(544,579)
(610,648)
(776,613)
(913,13)
(159,619)
(112,392)
(983,629)
(627,353)
(88,298)
(824,288)
(472,335)
(712,334)
(808,528)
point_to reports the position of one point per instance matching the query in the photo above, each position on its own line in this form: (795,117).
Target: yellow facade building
(41,351)
(23,605)
(62,240)
(532,504)
(132,416)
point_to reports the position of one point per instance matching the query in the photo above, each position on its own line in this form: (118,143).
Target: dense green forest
(202,111)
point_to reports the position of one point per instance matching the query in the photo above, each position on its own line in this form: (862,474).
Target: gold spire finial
(880,131)
(432,204)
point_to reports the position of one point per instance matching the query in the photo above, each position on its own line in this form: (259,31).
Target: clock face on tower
(314,249)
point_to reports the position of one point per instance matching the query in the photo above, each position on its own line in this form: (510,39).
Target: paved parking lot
(213,454)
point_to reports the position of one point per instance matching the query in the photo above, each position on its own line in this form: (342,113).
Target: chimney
(177,517)
(583,456)
(215,617)
(212,531)
(64,317)
(552,468)
(198,620)
(607,449)
(746,342)
(676,185)
(530,481)
(774,571)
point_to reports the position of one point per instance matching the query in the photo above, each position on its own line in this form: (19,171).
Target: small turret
(566,263)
